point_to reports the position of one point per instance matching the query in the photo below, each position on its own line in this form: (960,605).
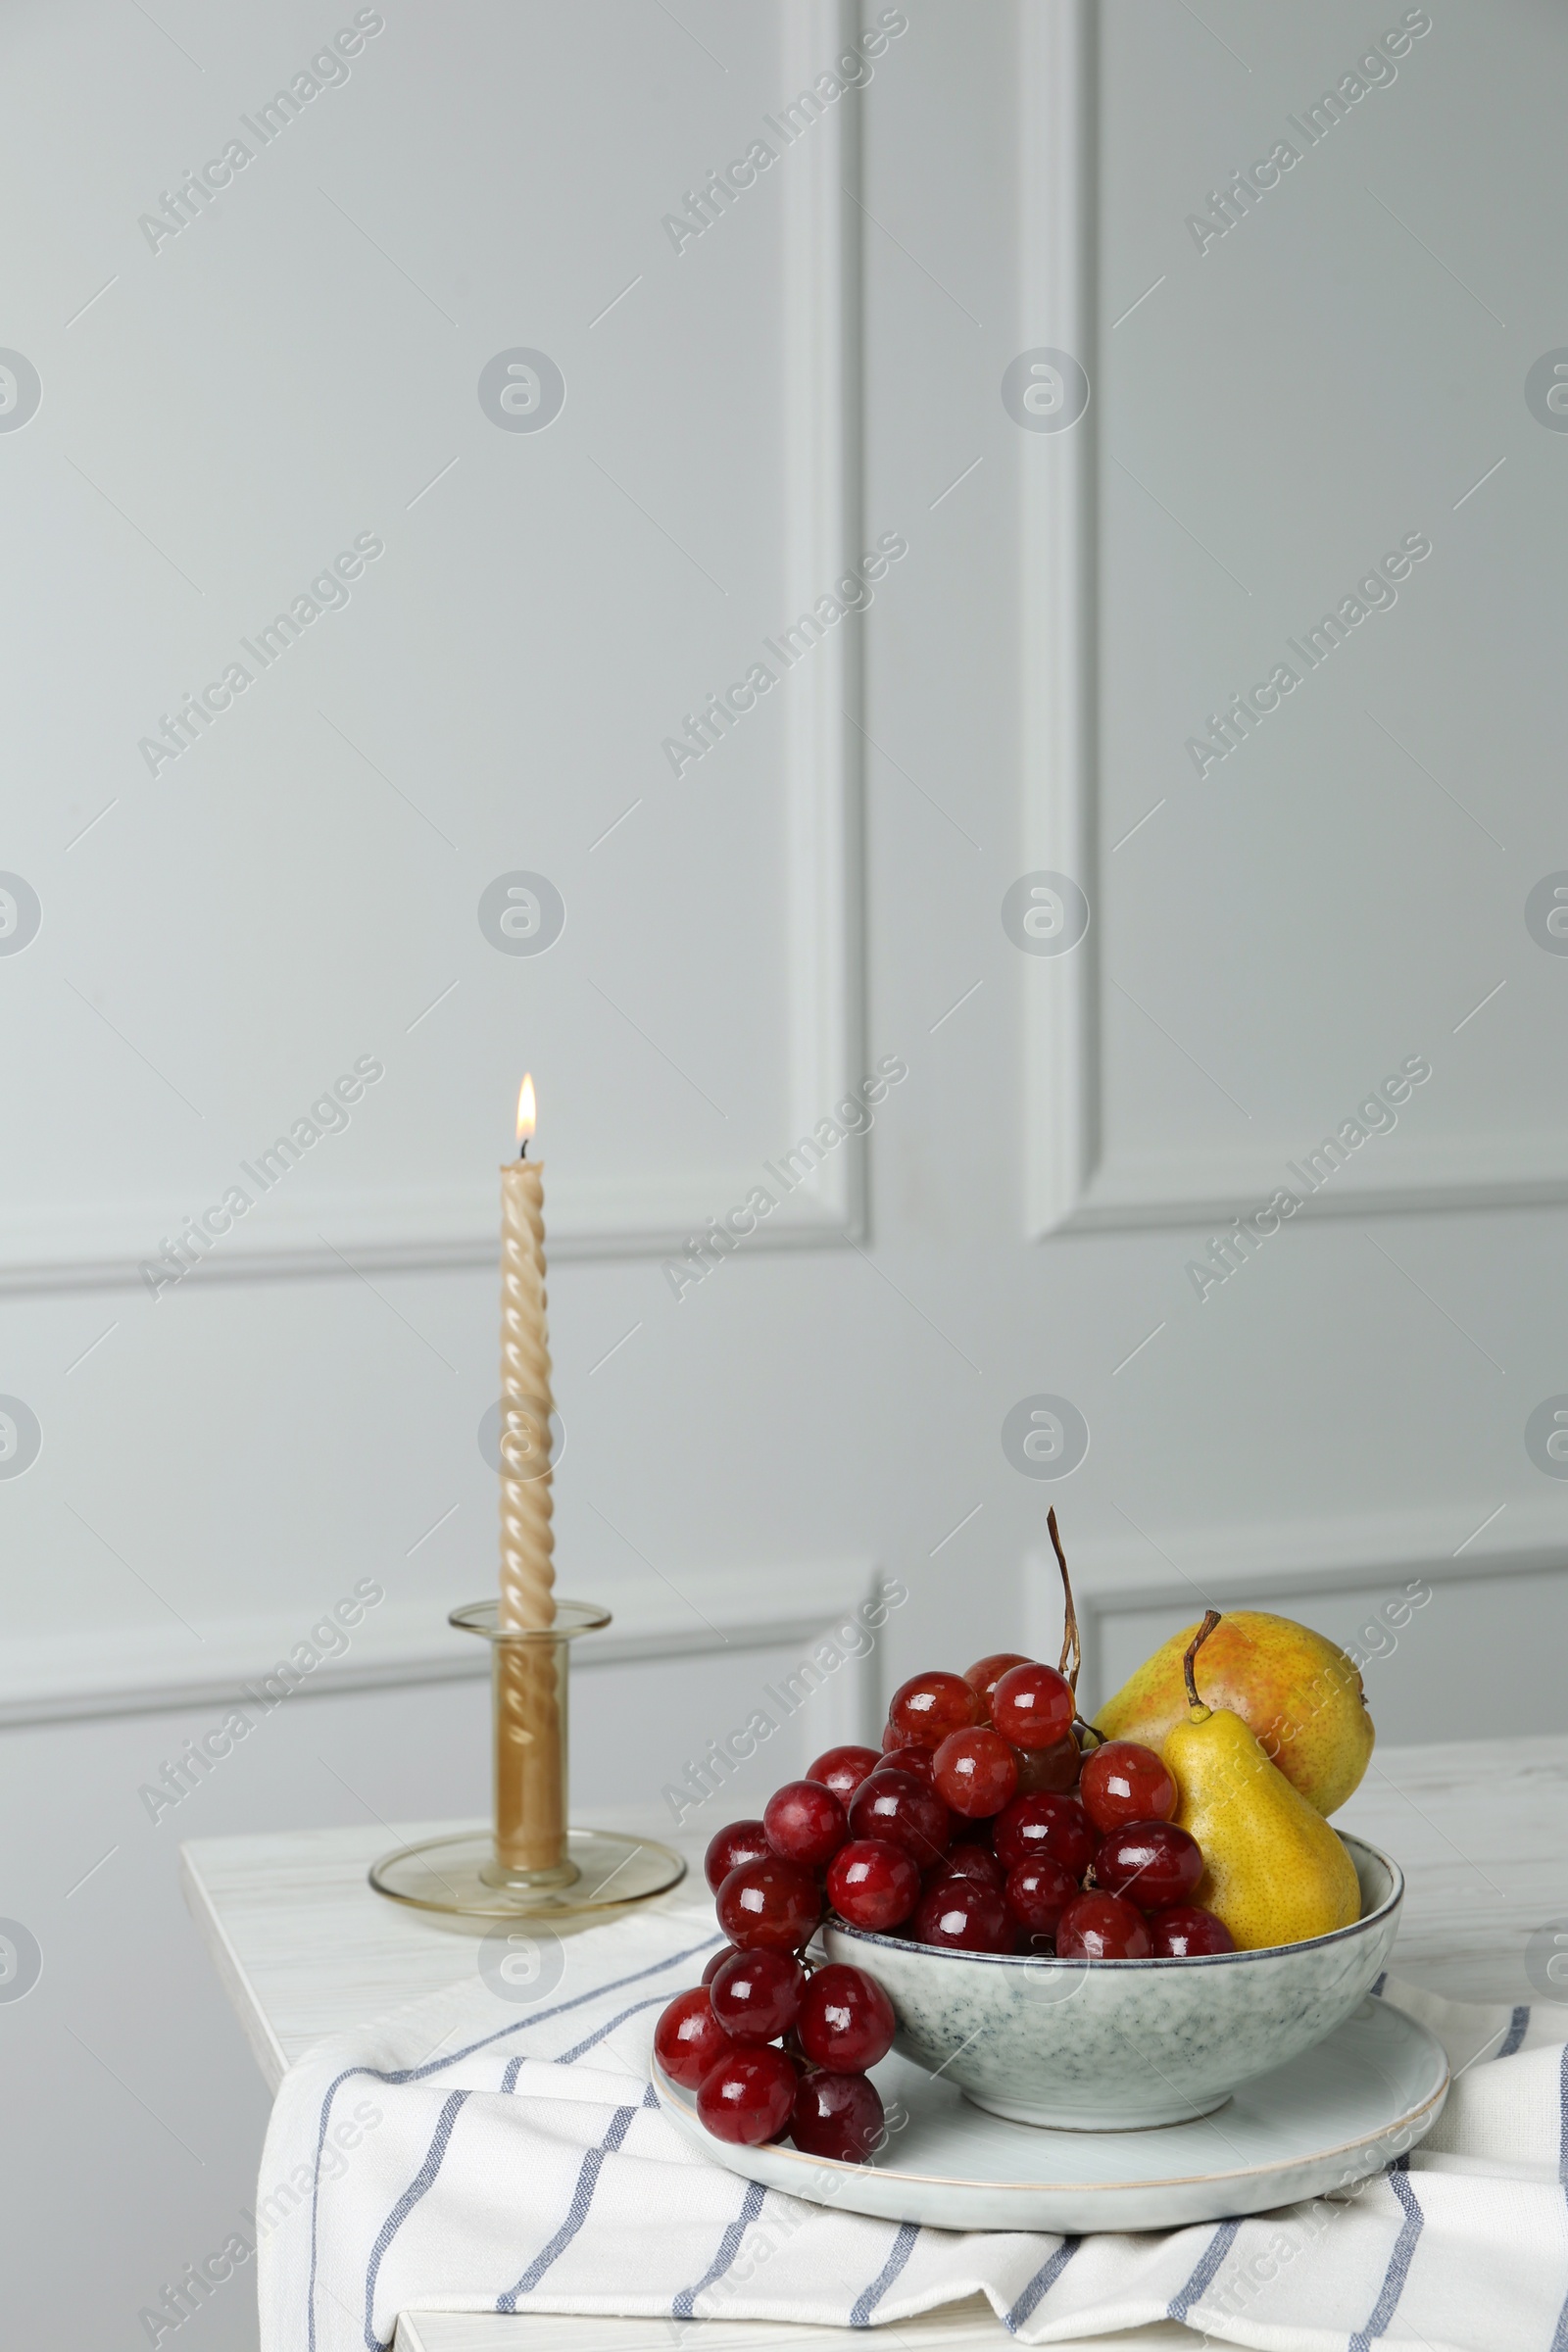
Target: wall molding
(825,518)
(146,1670)
(1263,1566)
(425,1231)
(1058,652)
(823,983)
(1071,1184)
(1163,1190)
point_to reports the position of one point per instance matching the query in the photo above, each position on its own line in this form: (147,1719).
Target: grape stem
(1071,1647)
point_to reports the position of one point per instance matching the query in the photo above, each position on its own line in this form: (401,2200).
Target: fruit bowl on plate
(1103,2045)
(1075,1931)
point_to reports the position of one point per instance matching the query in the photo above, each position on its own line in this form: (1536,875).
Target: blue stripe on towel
(433,2066)
(903,2247)
(422,2180)
(1041,2285)
(1399,2270)
(729,2245)
(572,2056)
(1518,2028)
(1202,2279)
(577,2213)
(515,2066)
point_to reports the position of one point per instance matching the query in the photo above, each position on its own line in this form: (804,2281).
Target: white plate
(1329,2118)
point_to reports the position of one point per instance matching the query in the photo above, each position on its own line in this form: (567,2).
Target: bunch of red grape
(981,1827)
(721,2039)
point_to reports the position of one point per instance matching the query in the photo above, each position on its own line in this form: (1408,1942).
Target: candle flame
(527,1111)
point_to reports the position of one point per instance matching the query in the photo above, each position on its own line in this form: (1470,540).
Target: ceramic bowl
(1117,2044)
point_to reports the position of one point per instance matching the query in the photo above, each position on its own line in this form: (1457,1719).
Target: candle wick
(524,1154)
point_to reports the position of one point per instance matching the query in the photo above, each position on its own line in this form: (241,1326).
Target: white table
(305,1949)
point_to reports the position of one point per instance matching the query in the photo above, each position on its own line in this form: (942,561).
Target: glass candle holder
(528,1682)
(529,1863)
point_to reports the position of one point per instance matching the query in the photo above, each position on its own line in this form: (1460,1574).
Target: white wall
(819,891)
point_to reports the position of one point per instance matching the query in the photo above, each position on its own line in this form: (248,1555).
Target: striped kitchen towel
(496,2147)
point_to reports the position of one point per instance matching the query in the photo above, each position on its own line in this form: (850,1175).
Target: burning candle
(530,1864)
(527,1542)
(530,1823)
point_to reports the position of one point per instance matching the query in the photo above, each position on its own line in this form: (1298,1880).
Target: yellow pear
(1275,1871)
(1297,1693)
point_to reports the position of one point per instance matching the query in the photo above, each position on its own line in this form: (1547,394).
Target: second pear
(1275,1873)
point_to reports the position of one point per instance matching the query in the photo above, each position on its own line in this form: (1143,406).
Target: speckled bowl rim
(1032,1960)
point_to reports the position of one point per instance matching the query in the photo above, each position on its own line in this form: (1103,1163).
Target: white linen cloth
(483,2152)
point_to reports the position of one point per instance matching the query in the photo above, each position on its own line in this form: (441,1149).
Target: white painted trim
(91,1247)
(1056,600)
(1070,1185)
(1167,1189)
(1122,1573)
(1275,1592)
(151,1670)
(405,1230)
(821,283)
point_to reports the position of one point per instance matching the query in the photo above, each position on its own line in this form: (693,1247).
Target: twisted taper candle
(527,1539)
(530,1823)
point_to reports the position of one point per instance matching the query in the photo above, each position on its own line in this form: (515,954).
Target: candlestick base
(497,1872)
(529,1865)
(448,1880)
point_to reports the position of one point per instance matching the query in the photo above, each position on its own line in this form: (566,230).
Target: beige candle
(527,1544)
(530,1831)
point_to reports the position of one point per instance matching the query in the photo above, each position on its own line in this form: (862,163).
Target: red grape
(873,1885)
(1046,1823)
(908,1759)
(1123,1782)
(757,1995)
(927,1707)
(839,2116)
(1101,1926)
(747,2095)
(1153,1862)
(1054,1768)
(768,1906)
(845,2019)
(805,1823)
(1033,1706)
(985,1673)
(742,1841)
(969,1862)
(973,1771)
(688,2039)
(1184,1930)
(726,1951)
(897,1807)
(958,1915)
(843,1769)
(1037,1894)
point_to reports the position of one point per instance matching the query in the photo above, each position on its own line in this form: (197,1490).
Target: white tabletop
(305,1949)
(967,2327)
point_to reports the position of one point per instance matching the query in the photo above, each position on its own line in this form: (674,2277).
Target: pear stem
(1071,1647)
(1210,1620)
